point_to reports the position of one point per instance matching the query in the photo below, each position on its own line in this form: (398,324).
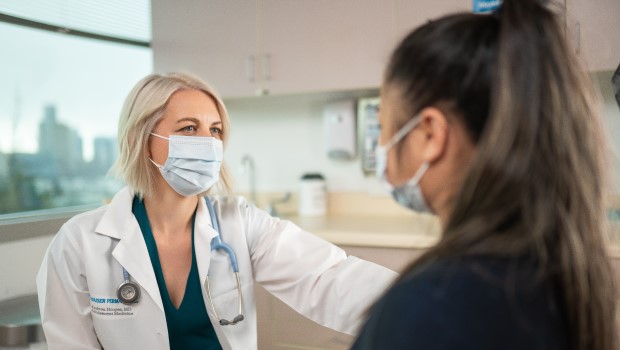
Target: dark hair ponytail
(536,185)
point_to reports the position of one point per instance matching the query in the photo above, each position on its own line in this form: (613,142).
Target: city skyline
(60,98)
(87,80)
(57,174)
(62,147)
(52,132)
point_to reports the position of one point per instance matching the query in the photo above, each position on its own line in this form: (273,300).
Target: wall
(19,264)
(284,135)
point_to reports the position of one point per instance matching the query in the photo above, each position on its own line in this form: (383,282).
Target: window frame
(39,223)
(32,224)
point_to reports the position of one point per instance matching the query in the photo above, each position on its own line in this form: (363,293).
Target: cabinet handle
(267,67)
(249,68)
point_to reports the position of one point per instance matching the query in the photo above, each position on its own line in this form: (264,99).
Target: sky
(87,80)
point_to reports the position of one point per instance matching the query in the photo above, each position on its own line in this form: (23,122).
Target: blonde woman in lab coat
(155,268)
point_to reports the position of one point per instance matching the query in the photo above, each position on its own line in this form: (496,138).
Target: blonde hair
(143,109)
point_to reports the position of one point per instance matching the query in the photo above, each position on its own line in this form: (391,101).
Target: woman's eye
(189,128)
(216,131)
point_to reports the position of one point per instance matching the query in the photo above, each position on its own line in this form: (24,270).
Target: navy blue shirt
(468,303)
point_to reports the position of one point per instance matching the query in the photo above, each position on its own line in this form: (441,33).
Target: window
(60,97)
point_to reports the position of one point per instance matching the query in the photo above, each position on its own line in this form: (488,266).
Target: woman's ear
(434,130)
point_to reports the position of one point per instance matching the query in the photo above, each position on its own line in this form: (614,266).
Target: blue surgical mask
(409,194)
(193,164)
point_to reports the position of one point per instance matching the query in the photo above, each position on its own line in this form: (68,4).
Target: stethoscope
(129,292)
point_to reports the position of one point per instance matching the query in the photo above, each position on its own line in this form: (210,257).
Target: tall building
(105,154)
(61,145)
(4,170)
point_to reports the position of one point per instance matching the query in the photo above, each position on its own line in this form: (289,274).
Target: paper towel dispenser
(369,129)
(615,81)
(339,130)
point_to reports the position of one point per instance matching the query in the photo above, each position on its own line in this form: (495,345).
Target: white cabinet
(593,25)
(325,44)
(246,47)
(413,13)
(594,30)
(214,39)
(280,327)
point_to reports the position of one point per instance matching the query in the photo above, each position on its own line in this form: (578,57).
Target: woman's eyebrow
(197,121)
(182,120)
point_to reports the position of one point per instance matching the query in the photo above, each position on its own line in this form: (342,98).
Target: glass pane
(60,97)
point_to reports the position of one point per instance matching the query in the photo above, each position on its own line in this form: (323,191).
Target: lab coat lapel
(131,252)
(203,234)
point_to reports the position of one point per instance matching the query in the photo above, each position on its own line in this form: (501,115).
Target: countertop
(420,231)
(20,311)
(20,324)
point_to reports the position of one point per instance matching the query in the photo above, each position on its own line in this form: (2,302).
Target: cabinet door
(594,29)
(215,39)
(411,14)
(325,44)
(280,327)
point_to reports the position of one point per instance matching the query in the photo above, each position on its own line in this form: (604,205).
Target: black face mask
(615,82)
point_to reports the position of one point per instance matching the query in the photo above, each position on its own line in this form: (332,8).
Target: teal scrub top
(189,327)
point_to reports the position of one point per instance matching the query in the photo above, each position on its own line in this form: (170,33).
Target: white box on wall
(340,130)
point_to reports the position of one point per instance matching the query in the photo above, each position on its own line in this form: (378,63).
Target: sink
(20,323)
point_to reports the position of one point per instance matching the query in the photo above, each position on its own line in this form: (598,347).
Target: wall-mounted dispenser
(615,81)
(339,130)
(369,129)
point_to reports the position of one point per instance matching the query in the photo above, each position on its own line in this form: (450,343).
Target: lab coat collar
(131,252)
(113,223)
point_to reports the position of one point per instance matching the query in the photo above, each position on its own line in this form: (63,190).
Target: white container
(312,195)
(339,130)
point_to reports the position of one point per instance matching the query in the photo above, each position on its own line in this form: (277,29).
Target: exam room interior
(284,135)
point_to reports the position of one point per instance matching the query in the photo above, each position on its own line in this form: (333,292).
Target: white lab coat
(83,267)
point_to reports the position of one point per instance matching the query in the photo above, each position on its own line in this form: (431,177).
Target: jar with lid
(312,195)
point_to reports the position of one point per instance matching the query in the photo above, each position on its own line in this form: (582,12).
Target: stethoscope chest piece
(128,292)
